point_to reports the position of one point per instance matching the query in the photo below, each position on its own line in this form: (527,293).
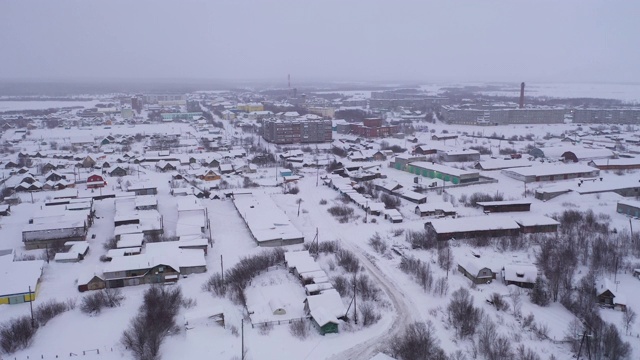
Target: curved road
(402,304)
(365,350)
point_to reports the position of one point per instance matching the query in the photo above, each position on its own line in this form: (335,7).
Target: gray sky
(422,41)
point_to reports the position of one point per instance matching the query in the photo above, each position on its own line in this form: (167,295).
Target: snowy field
(12,105)
(625,92)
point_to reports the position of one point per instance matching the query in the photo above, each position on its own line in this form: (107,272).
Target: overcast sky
(420,41)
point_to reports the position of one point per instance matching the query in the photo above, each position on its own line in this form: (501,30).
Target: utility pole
(33,321)
(242,349)
(222,268)
(355,307)
(366,212)
(317,172)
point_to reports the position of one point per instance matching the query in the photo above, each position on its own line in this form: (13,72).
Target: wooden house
(93,282)
(118,172)
(477,270)
(137,270)
(324,310)
(607,295)
(166,166)
(95,181)
(208,175)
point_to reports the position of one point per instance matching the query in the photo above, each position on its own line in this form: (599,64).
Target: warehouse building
(551,172)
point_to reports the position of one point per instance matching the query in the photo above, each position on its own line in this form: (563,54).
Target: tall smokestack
(521,95)
(289,80)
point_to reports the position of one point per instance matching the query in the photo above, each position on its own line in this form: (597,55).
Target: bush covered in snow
(94,302)
(155,320)
(300,328)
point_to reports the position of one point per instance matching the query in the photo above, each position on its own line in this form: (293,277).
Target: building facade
(296,131)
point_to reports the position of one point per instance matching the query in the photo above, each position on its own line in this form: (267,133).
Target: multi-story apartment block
(296,131)
(607,116)
(455,115)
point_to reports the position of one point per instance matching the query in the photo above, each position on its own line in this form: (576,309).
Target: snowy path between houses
(404,307)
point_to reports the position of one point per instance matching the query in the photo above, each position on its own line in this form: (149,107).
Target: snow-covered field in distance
(13,105)
(624,92)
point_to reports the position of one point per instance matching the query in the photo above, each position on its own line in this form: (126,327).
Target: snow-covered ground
(404,301)
(9,105)
(625,92)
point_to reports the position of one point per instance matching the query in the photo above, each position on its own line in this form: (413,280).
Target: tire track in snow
(365,350)
(403,306)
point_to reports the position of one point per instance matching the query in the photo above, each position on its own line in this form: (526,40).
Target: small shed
(375,208)
(5,210)
(521,275)
(393,215)
(277,306)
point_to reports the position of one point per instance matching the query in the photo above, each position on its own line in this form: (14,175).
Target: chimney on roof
(521,95)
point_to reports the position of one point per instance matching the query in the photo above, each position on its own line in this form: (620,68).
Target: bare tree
(417,342)
(463,316)
(628,318)
(17,334)
(368,313)
(516,301)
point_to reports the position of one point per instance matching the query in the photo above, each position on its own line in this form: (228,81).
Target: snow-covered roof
(265,220)
(376,206)
(505,202)
(441,168)
(123,252)
(293,258)
(630,203)
(409,194)
(552,169)
(136,262)
(393,214)
(474,223)
(520,273)
(130,240)
(17,276)
(329,300)
(171,251)
(444,206)
(322,316)
(499,164)
(534,220)
(146,200)
(617,162)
